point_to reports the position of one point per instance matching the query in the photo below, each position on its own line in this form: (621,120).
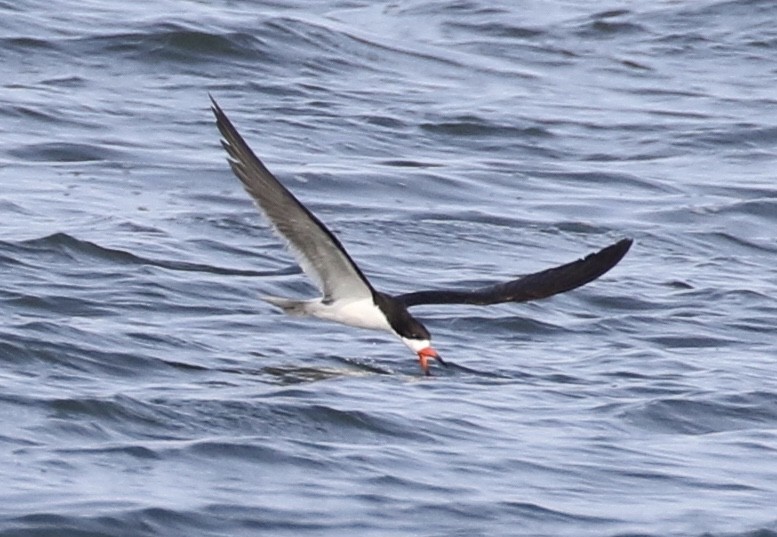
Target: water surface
(147,391)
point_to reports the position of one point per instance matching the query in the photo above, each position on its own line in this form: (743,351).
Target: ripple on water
(699,415)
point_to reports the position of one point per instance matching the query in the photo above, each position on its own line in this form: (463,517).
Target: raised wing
(316,249)
(531,287)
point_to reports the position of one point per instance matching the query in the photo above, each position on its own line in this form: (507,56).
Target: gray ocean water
(145,389)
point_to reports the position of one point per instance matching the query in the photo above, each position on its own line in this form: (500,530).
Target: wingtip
(625,244)
(228,131)
(214,106)
(615,252)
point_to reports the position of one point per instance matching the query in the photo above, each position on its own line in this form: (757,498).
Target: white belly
(362,313)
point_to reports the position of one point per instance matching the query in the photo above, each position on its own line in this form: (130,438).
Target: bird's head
(419,342)
(409,329)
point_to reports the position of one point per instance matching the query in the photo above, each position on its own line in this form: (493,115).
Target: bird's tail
(289,305)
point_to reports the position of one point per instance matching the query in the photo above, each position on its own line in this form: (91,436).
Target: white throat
(416,345)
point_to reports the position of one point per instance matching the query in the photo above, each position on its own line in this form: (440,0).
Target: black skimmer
(347,295)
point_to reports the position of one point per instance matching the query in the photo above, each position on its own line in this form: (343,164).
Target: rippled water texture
(145,389)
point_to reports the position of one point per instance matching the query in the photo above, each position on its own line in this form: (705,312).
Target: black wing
(531,287)
(317,250)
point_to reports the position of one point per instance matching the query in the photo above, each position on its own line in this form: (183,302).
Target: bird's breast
(362,313)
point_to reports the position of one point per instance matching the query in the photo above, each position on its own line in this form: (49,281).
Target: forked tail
(289,305)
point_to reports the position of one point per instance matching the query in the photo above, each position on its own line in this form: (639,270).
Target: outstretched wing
(531,287)
(316,249)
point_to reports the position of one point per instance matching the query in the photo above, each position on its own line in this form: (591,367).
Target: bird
(347,296)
